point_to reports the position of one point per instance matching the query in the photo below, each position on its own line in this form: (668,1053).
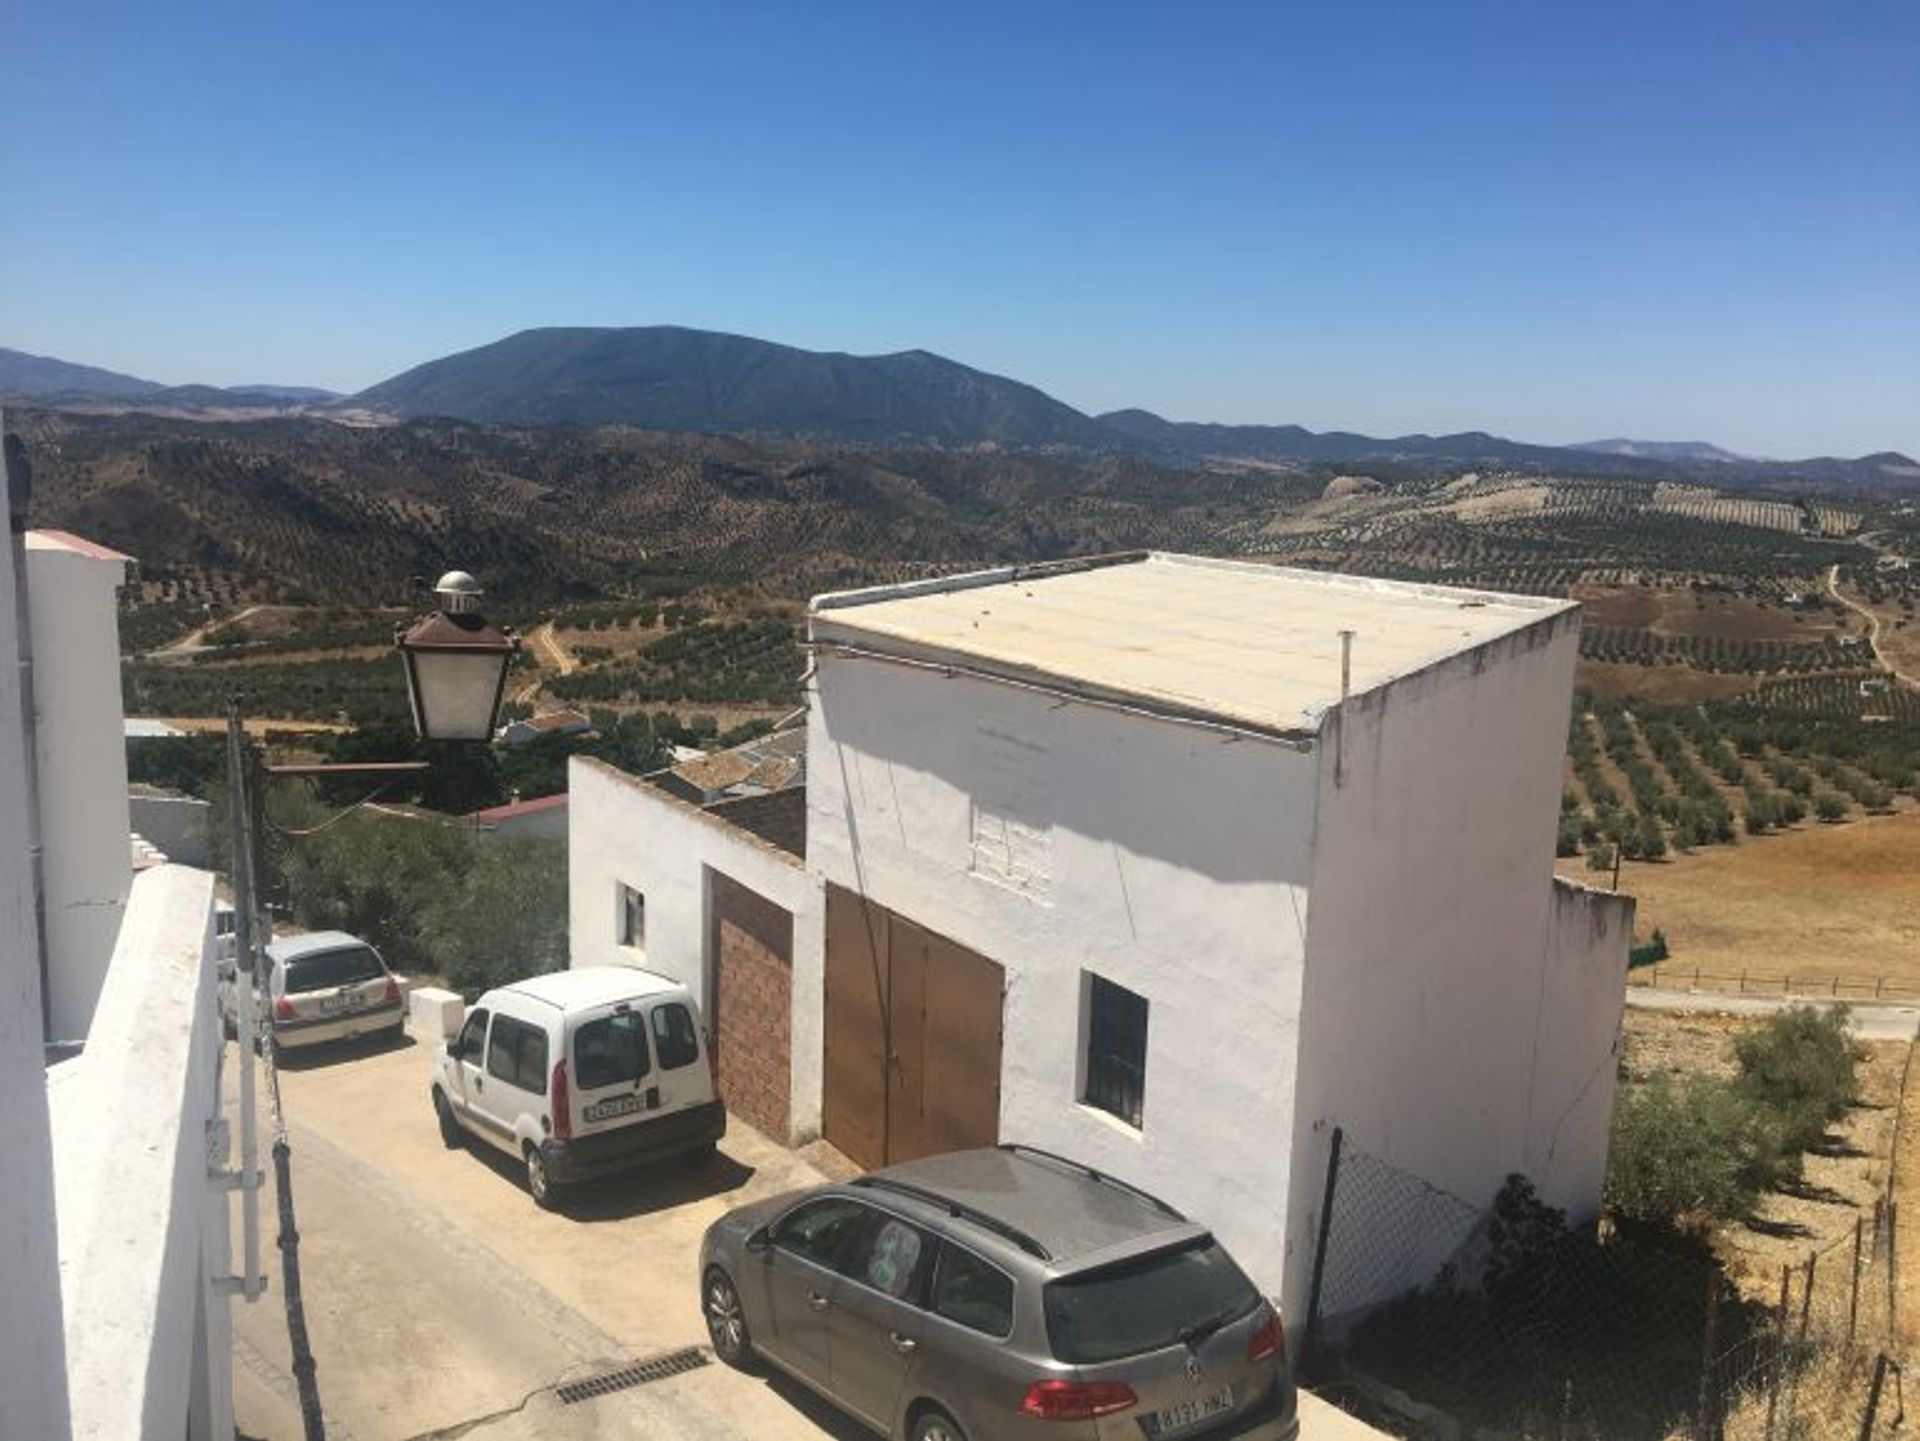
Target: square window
(1116,1049)
(633,919)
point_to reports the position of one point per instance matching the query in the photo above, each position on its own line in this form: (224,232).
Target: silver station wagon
(1002,1293)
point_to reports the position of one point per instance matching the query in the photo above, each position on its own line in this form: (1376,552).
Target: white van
(580,1073)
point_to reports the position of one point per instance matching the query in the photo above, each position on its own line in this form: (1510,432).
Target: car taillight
(392,997)
(561,1101)
(1076,1400)
(283,1010)
(1268,1339)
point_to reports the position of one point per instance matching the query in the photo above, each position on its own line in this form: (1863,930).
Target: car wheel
(539,1184)
(726,1319)
(451,1135)
(936,1425)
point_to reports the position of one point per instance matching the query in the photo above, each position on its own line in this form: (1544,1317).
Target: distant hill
(668,378)
(1292,442)
(45,381)
(676,380)
(1695,450)
(40,376)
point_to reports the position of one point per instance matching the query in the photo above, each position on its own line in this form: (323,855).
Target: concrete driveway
(442,1303)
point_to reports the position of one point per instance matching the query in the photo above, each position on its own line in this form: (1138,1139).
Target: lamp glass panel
(457,693)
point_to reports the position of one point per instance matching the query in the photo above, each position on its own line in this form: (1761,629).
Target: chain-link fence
(1501,1318)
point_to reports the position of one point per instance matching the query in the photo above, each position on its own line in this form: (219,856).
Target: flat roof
(1253,645)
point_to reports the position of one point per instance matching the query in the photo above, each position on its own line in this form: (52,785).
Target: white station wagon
(580,1073)
(324,986)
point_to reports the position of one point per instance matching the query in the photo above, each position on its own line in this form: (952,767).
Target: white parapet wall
(81,750)
(144,1232)
(33,1401)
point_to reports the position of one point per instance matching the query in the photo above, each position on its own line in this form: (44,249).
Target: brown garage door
(752,949)
(912,1037)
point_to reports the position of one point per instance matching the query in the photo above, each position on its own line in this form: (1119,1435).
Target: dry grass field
(1816,901)
(1676,611)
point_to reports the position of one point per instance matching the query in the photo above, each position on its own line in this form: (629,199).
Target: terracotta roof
(555,720)
(715,772)
(778,818)
(521,808)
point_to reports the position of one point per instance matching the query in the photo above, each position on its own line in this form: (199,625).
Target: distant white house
(542,819)
(1170,864)
(550,723)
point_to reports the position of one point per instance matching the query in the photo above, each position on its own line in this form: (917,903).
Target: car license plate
(618,1106)
(1169,1420)
(329,1005)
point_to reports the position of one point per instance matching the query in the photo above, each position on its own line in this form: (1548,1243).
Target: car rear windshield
(330,969)
(610,1051)
(1153,1301)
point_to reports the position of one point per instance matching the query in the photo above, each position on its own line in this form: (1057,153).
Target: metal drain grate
(674,1363)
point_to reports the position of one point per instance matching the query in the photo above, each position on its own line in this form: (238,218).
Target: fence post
(1779,1350)
(1853,1288)
(1893,1289)
(1312,1334)
(1703,1427)
(1806,1300)
(1873,1397)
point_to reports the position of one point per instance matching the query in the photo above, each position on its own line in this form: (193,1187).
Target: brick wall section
(753,951)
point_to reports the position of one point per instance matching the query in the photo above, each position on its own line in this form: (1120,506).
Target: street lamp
(456,664)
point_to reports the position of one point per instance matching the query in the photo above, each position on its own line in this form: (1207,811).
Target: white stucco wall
(1583,992)
(81,744)
(175,825)
(33,1392)
(143,1231)
(1447,1028)
(1169,859)
(625,831)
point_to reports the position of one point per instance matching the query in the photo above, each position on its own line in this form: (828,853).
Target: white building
(81,763)
(718,897)
(114,1246)
(1121,859)
(1172,865)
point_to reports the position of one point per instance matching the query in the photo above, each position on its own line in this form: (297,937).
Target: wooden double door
(912,1036)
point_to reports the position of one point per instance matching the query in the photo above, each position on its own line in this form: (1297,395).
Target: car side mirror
(761,1240)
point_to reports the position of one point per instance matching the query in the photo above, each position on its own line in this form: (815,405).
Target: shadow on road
(640,1192)
(828,1417)
(330,1053)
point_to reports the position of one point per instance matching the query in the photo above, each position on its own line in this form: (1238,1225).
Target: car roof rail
(986,1221)
(1018,1148)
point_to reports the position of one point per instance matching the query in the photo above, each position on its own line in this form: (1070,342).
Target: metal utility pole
(246,983)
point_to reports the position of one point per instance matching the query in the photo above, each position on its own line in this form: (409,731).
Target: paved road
(442,1304)
(1871,1022)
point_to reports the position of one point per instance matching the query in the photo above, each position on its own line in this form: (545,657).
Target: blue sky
(1554,221)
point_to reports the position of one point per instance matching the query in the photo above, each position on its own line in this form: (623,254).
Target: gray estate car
(1002,1293)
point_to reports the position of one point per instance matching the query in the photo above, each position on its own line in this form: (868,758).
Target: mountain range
(668,378)
(62,384)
